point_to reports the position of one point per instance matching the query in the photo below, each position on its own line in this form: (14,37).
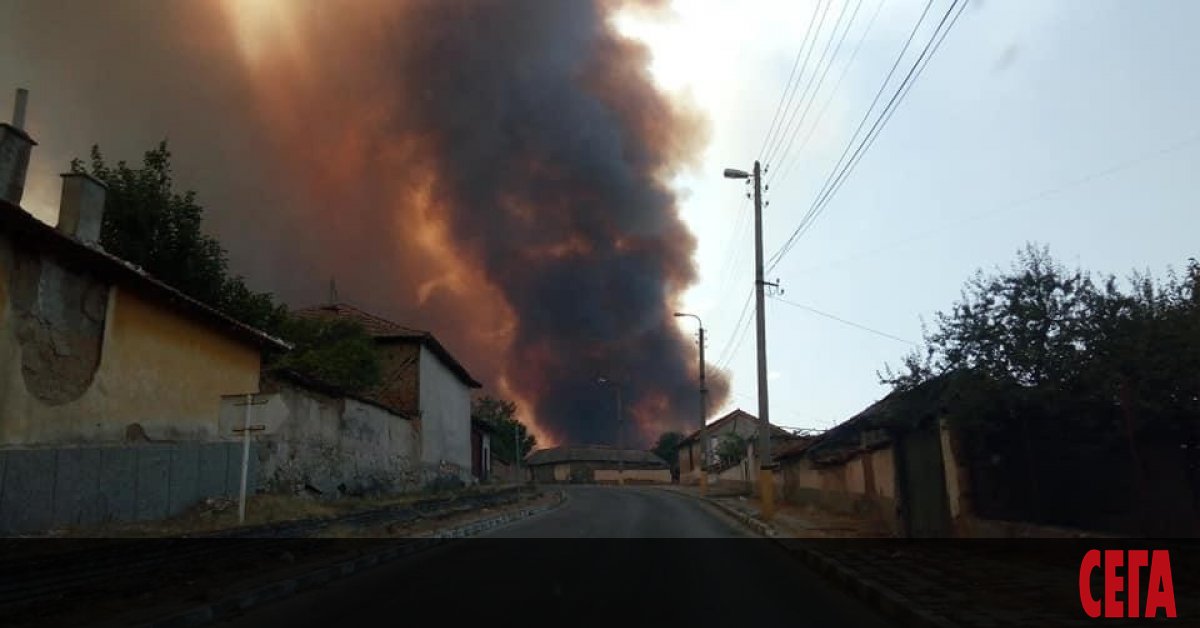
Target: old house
(421,380)
(110,380)
(738,423)
(597,464)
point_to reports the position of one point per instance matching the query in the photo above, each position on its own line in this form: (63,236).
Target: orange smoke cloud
(492,171)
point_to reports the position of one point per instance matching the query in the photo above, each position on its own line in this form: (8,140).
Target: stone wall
(329,446)
(57,487)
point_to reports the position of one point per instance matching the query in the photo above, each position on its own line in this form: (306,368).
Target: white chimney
(15,147)
(81,207)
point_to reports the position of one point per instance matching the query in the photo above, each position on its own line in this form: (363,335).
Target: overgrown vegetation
(501,414)
(150,224)
(1065,338)
(731,448)
(1080,395)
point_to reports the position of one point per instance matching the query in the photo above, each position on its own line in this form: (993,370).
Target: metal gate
(921,479)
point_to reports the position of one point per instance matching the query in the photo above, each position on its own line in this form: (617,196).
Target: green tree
(501,415)
(731,448)
(148,223)
(1040,334)
(336,352)
(667,447)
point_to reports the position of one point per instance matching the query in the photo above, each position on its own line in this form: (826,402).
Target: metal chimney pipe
(18,118)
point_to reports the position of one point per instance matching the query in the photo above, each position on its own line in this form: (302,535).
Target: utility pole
(517,451)
(620,440)
(620,429)
(703,419)
(765,481)
(703,408)
(765,478)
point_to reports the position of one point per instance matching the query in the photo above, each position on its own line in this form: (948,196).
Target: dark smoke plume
(492,171)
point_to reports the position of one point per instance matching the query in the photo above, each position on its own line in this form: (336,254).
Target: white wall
(445,407)
(329,443)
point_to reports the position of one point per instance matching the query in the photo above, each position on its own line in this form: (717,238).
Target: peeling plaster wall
(334,445)
(82,361)
(399,372)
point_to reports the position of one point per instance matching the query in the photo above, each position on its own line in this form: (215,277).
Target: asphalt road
(590,566)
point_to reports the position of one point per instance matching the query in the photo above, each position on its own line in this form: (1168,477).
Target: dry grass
(218,515)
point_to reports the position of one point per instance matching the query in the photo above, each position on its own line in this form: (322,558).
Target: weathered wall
(333,445)
(56,487)
(80,362)
(399,373)
(633,476)
(863,485)
(445,416)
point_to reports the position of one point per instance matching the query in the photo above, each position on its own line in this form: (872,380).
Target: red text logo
(1123,573)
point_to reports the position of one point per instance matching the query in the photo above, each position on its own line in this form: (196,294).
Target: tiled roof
(376,326)
(593,453)
(795,448)
(776,431)
(27,230)
(384,330)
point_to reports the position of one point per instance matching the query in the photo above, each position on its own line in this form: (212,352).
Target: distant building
(597,464)
(739,422)
(422,380)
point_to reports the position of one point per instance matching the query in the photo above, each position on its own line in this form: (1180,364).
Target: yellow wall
(157,368)
(954,484)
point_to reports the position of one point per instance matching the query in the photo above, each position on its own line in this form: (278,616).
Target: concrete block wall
(54,487)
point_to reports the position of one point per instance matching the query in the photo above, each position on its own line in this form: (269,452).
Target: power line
(796,85)
(736,327)
(838,167)
(775,173)
(833,183)
(905,86)
(782,157)
(844,321)
(734,251)
(745,333)
(788,85)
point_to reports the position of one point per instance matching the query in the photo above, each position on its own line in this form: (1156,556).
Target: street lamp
(766,484)
(703,407)
(620,430)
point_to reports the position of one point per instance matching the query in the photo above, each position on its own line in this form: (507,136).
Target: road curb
(274,591)
(883,599)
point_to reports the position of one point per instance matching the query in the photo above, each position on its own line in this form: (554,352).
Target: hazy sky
(1068,123)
